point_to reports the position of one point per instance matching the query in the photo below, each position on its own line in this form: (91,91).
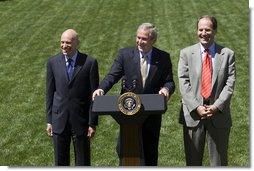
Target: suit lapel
(197,61)
(62,67)
(217,62)
(78,65)
(136,59)
(153,66)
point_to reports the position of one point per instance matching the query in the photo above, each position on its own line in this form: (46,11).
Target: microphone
(124,83)
(134,82)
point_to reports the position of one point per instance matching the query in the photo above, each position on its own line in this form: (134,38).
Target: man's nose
(64,45)
(140,41)
(204,32)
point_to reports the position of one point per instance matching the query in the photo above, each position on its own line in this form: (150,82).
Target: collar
(211,49)
(149,55)
(74,57)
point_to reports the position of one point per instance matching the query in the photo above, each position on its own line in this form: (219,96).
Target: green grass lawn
(30,34)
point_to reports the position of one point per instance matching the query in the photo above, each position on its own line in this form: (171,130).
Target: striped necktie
(69,68)
(206,76)
(143,69)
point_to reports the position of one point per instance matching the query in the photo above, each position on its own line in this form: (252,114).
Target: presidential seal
(129,103)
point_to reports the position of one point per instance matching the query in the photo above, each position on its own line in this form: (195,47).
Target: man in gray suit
(71,78)
(206,116)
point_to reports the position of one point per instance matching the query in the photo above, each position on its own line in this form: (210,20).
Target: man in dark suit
(205,111)
(158,79)
(71,78)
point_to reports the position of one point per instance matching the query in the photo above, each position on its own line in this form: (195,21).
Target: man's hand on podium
(165,92)
(98,92)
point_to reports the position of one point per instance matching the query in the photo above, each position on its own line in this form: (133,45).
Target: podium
(131,151)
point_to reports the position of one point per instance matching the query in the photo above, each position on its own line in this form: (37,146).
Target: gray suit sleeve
(186,89)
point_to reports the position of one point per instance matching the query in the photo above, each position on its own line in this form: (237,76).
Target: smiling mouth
(205,38)
(141,46)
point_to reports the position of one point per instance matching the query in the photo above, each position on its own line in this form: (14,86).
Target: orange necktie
(206,76)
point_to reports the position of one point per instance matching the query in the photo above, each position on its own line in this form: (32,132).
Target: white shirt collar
(74,57)
(149,54)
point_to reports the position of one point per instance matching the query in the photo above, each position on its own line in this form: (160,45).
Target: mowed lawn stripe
(30,34)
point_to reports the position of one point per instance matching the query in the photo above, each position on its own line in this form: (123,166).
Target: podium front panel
(131,143)
(151,104)
(106,105)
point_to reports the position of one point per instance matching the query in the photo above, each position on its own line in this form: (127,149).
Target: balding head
(69,42)
(70,33)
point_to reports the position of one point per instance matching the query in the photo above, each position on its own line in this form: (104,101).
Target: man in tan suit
(206,117)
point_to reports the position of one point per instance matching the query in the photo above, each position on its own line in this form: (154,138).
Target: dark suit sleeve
(94,82)
(168,75)
(114,75)
(50,89)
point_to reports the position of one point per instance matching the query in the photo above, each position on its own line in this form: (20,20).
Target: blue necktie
(69,68)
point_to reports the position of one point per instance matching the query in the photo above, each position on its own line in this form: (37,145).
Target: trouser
(217,141)
(81,146)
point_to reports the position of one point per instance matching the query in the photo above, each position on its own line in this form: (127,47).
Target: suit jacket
(127,64)
(223,80)
(70,100)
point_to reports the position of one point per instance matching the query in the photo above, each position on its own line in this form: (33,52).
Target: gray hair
(153,30)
